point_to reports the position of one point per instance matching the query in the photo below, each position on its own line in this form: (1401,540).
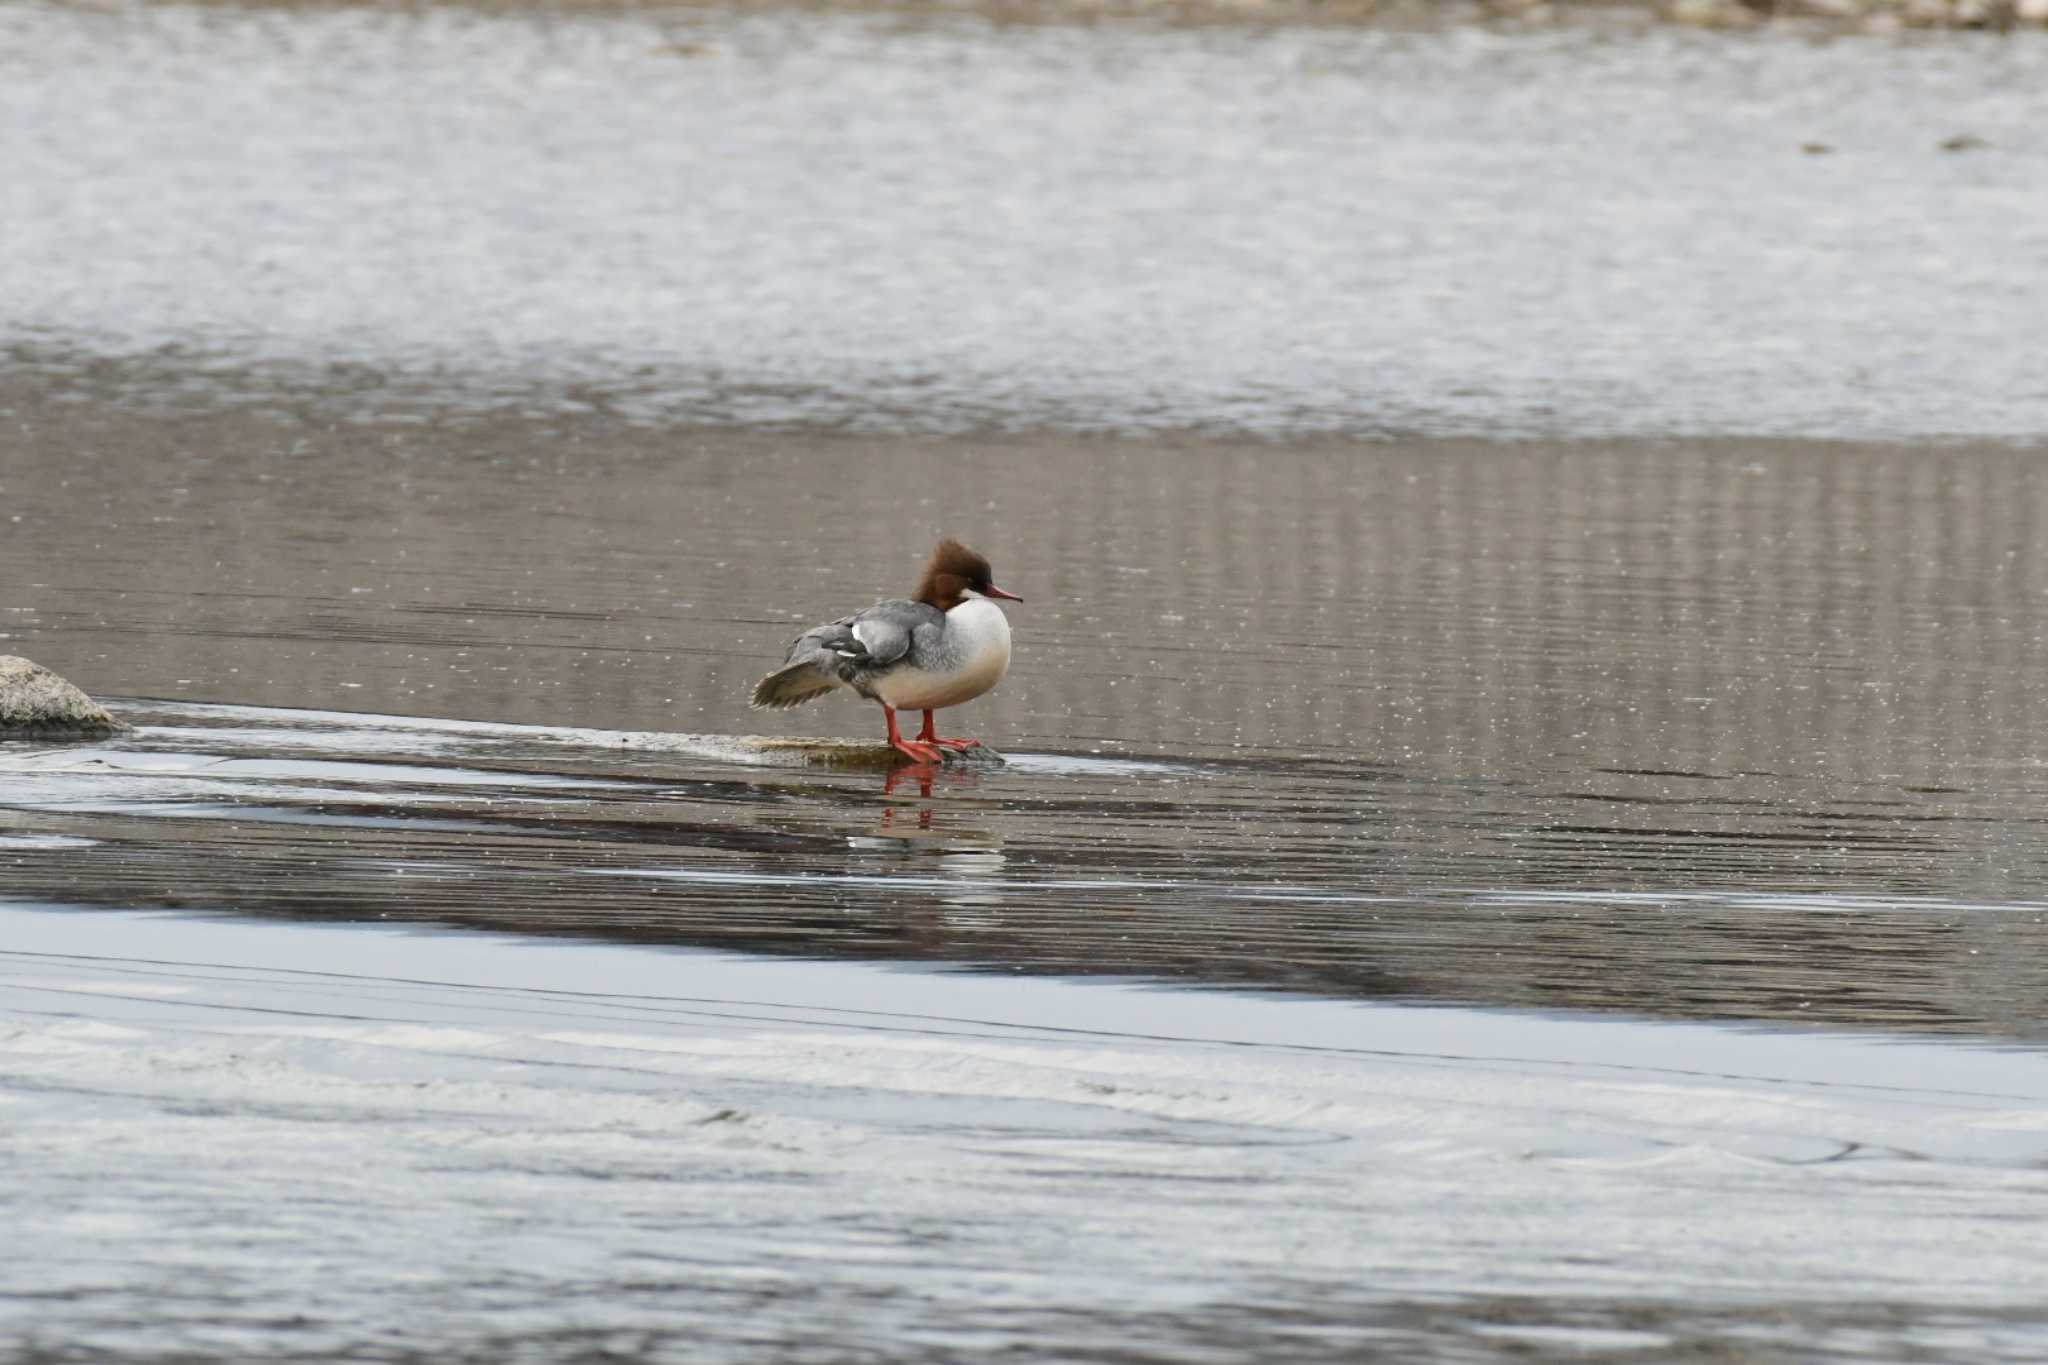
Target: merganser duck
(946,645)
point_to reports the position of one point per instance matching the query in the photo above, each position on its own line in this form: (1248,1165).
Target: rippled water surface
(318,1143)
(1578,891)
(1734,730)
(771,216)
(1738,732)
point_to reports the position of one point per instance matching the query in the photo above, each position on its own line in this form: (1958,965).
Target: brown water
(1744,730)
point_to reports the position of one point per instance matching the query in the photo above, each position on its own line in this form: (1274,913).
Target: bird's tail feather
(793,685)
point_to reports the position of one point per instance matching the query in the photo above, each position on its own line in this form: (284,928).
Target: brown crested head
(952,572)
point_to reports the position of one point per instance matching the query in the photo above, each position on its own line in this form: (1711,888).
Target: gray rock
(37,704)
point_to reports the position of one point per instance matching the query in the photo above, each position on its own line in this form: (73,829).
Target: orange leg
(928,735)
(917,749)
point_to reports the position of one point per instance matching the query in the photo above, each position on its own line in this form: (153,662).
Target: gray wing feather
(884,630)
(844,652)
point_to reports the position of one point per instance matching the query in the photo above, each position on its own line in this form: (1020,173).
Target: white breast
(973,658)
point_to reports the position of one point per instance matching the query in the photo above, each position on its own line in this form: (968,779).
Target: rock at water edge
(36,703)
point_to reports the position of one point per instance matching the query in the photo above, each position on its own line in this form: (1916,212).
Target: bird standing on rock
(948,644)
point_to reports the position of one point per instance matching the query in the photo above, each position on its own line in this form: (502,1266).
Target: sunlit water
(1536,897)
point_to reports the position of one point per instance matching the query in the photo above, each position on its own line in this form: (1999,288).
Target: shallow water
(1543,896)
(1539,725)
(234,1141)
(1739,733)
(1296,875)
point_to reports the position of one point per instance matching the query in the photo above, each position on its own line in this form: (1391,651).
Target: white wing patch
(884,639)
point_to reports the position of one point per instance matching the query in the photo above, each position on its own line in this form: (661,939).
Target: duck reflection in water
(912,786)
(923,775)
